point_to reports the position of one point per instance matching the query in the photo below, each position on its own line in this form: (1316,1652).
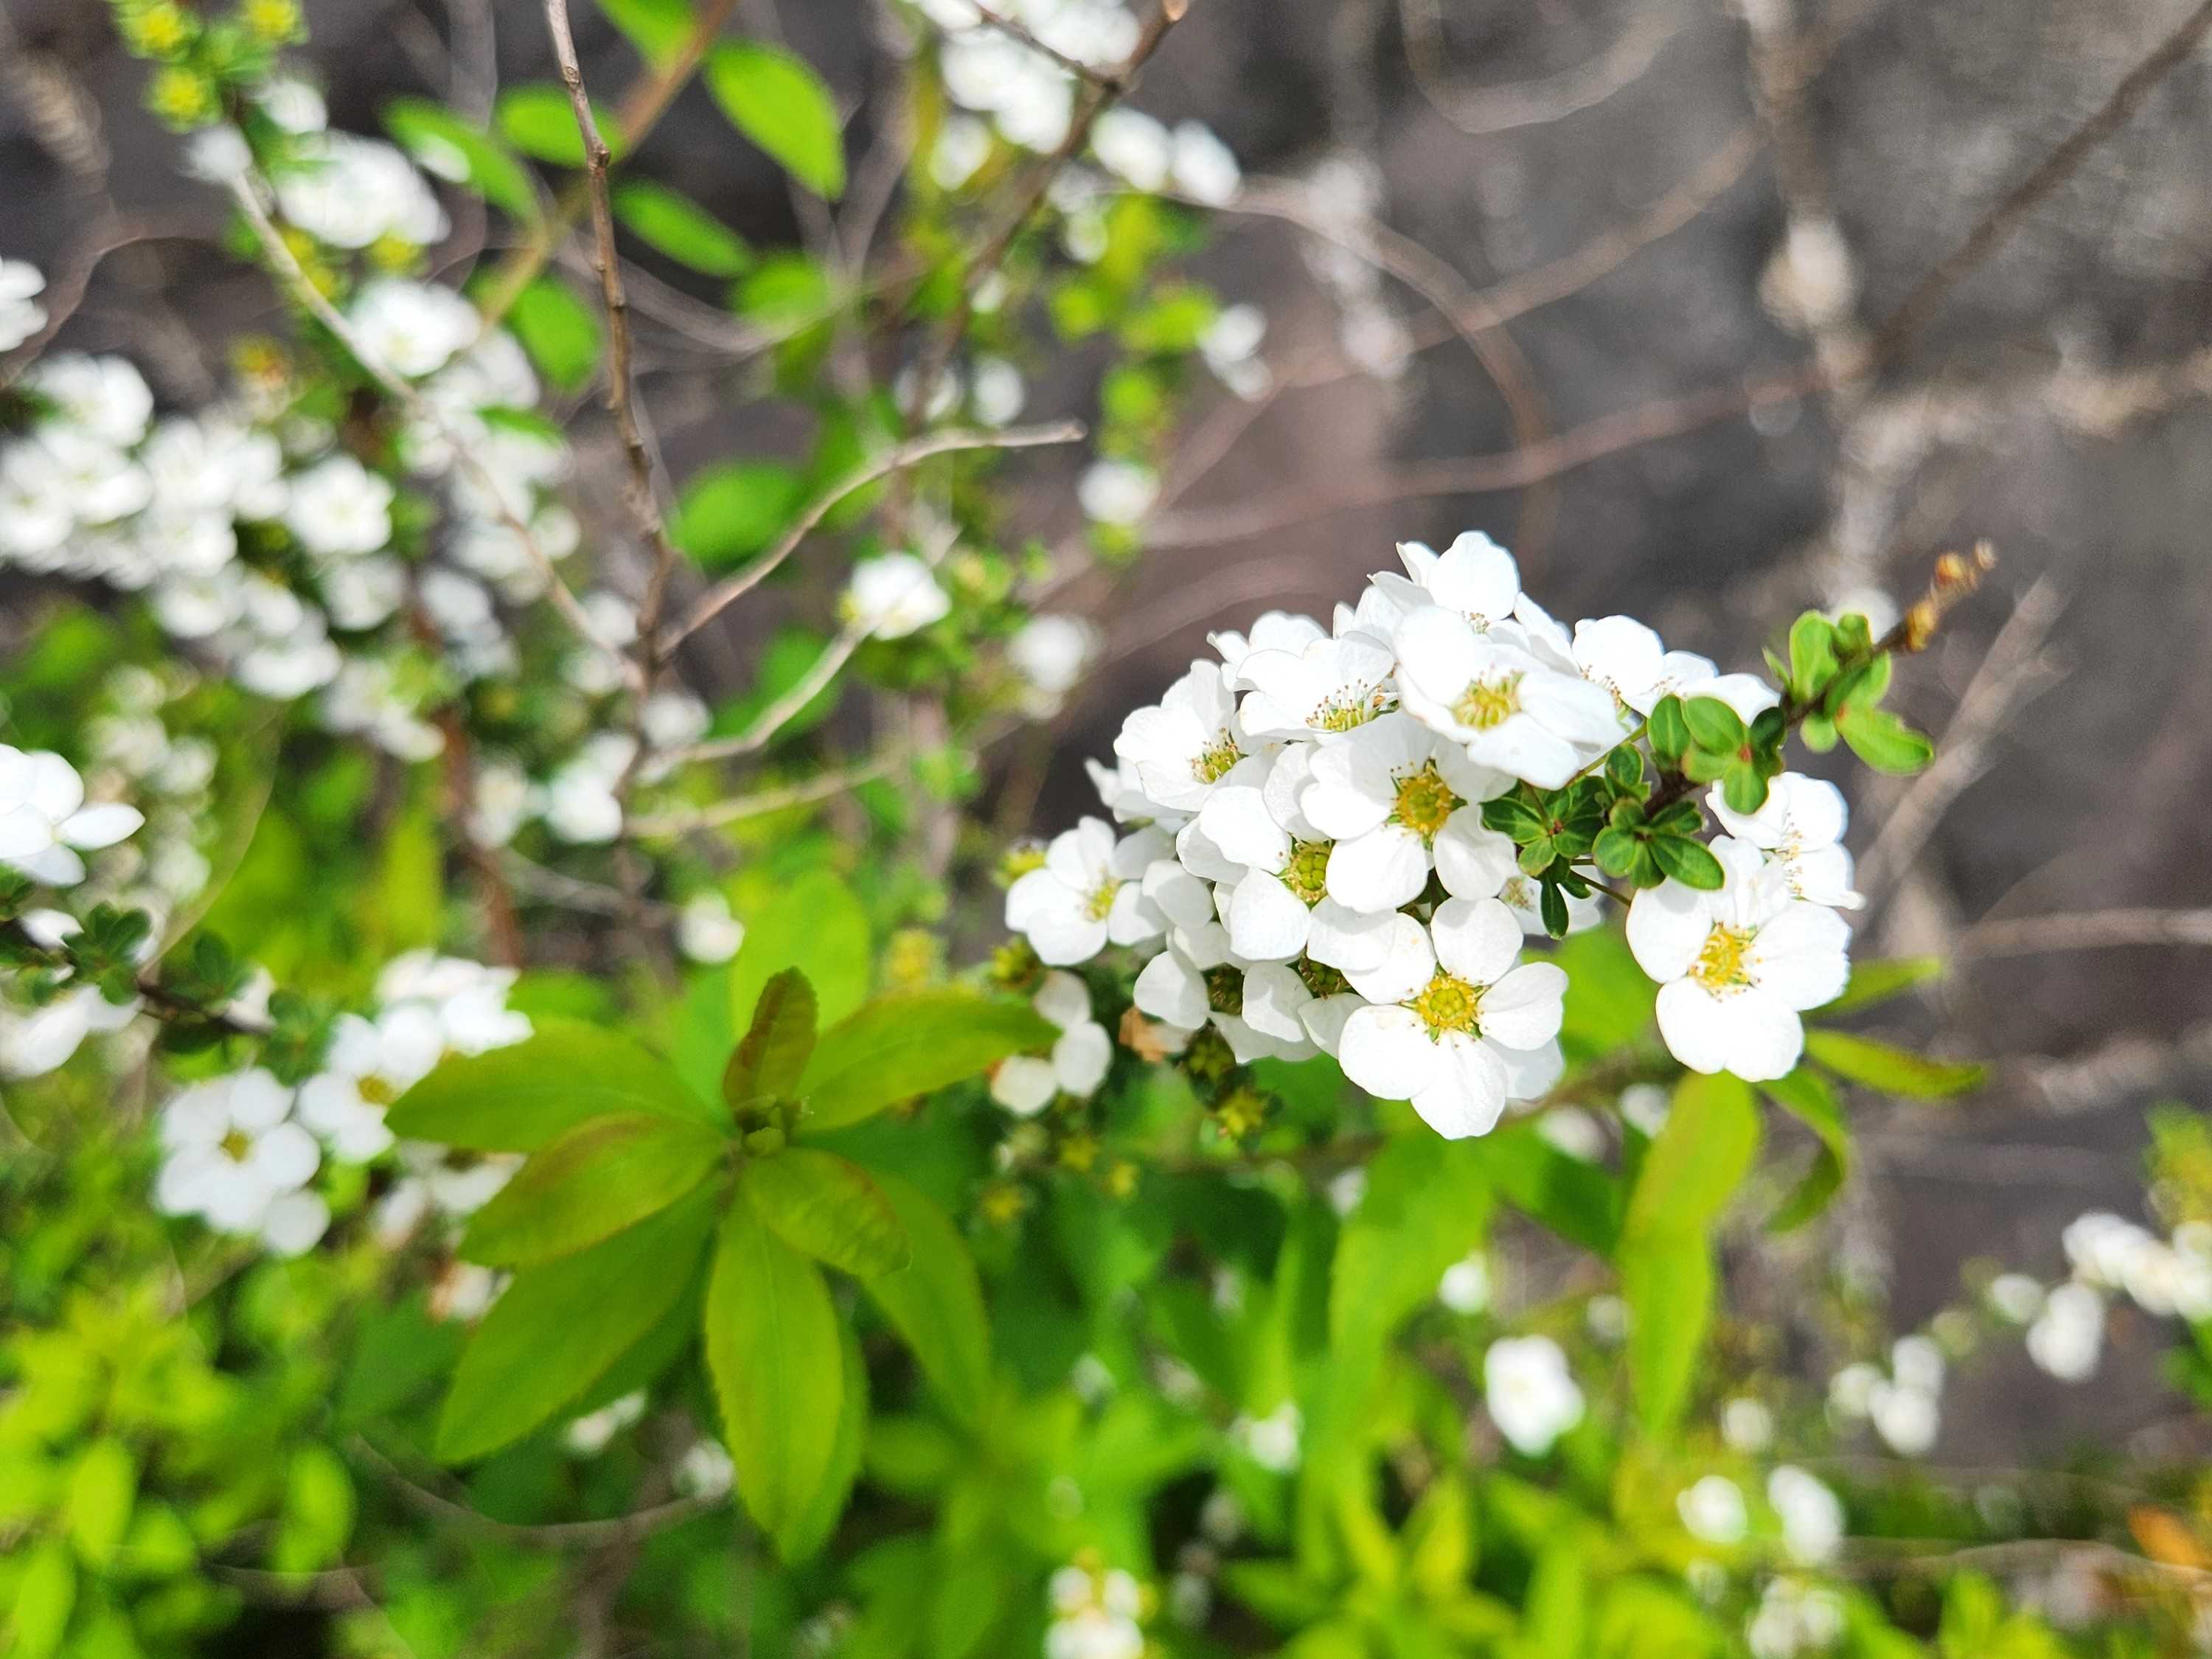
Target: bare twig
(895,459)
(1481,111)
(826,786)
(244,190)
(2086,930)
(1110,80)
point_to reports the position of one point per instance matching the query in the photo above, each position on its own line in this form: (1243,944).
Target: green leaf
(1812,655)
(1806,1097)
(670,222)
(815,924)
(102,1489)
(319,1511)
(1892,1071)
(538,120)
(557,1328)
(518,1098)
(658,29)
(1877,981)
(900,1047)
(1700,1156)
(1743,786)
(729,512)
(779,102)
(1668,1287)
(937,1304)
(815,1528)
(1881,740)
(1690,862)
(1669,730)
(790,654)
(773,1057)
(1579,1201)
(559,330)
(603,1175)
(1615,851)
(827,1207)
(1714,727)
(1509,815)
(46,1592)
(440,141)
(777,1357)
(1427,1206)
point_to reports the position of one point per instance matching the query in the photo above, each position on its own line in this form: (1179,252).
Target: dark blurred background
(1807,162)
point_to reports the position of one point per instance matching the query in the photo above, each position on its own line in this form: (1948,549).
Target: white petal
(1064,999)
(1065,936)
(55,788)
(1274,997)
(1237,822)
(25,832)
(1131,919)
(1472,862)
(1325,1017)
(1527,748)
(1467,1093)
(294,1224)
(1668,925)
(1406,967)
(1169,988)
(284,1157)
(1764,1035)
(1384,868)
(1801,955)
(256,1100)
(1387,1052)
(1531,1073)
(1698,1026)
(1351,792)
(101,826)
(1476,939)
(1031,895)
(1024,1084)
(1267,922)
(56,866)
(1349,941)
(1081,1056)
(1523,1009)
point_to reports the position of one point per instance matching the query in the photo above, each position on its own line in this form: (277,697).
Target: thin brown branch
(895,459)
(1480,111)
(563,1535)
(1111,79)
(2086,930)
(826,786)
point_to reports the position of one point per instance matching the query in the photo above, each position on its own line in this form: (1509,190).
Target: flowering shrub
(521,1136)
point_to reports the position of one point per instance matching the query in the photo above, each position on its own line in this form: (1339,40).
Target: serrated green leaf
(773,1055)
(936,1305)
(1892,1071)
(557,1329)
(816,924)
(779,102)
(1877,981)
(443,142)
(603,1175)
(777,1358)
(1714,726)
(670,222)
(561,333)
(519,1098)
(1690,862)
(901,1047)
(829,1208)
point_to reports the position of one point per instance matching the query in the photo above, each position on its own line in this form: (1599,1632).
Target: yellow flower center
(1425,802)
(1720,966)
(1486,704)
(236,1145)
(1100,904)
(376,1092)
(1307,873)
(1348,709)
(1449,1004)
(1214,762)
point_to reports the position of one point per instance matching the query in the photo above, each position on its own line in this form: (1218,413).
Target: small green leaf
(1536,857)
(1668,1287)
(1615,851)
(46,1593)
(729,512)
(773,1057)
(1690,862)
(1812,655)
(1892,1071)
(319,1511)
(1509,815)
(779,102)
(1669,730)
(1877,981)
(816,924)
(1579,1201)
(673,223)
(603,1175)
(937,1304)
(518,1098)
(827,1207)
(777,1357)
(557,1329)
(1714,727)
(1743,786)
(559,330)
(1552,907)
(538,120)
(1699,1157)
(442,140)
(1806,1097)
(101,1491)
(658,29)
(1881,740)
(900,1047)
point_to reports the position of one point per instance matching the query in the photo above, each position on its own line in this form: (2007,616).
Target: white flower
(1746,1425)
(468,998)
(705,929)
(1026,1084)
(1713,1511)
(100,480)
(1205,167)
(996,391)
(1626,658)
(1194,982)
(413,329)
(1736,966)
(964,144)
(1230,346)
(369,1065)
(589,1435)
(44,820)
(1134,147)
(1904,1416)
(1793,1618)
(1397,804)
(349,191)
(1328,686)
(1475,576)
(1812,1516)
(2103,1247)
(102,398)
(1273,631)
(1508,710)
(1188,741)
(1465,1287)
(1459,1030)
(1051,654)
(1800,827)
(2067,1337)
(338,507)
(41,1040)
(1272,1441)
(21,314)
(2016,1297)
(706,1472)
(1088,893)
(895,594)
(231,1152)
(1117,492)
(1531,1396)
(294,105)
(1917,1362)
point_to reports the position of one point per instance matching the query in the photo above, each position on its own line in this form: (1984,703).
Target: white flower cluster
(21,314)
(242,1150)
(1026,1084)
(1304,853)
(1795,1616)
(2109,1256)
(1096,1613)
(1531,1396)
(1904,1405)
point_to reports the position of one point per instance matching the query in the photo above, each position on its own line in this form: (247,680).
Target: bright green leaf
(1883,741)
(538,120)
(900,1047)
(1700,1156)
(445,144)
(1892,1071)
(603,1175)
(319,1511)
(1690,862)
(773,1057)
(774,1347)
(518,1098)
(814,1529)
(1579,1201)
(727,512)
(658,29)
(779,102)
(46,1591)
(1714,726)
(937,1304)
(1877,981)
(559,330)
(557,1328)
(1805,1096)
(102,1489)
(827,1207)
(1668,1285)
(816,924)
(673,223)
